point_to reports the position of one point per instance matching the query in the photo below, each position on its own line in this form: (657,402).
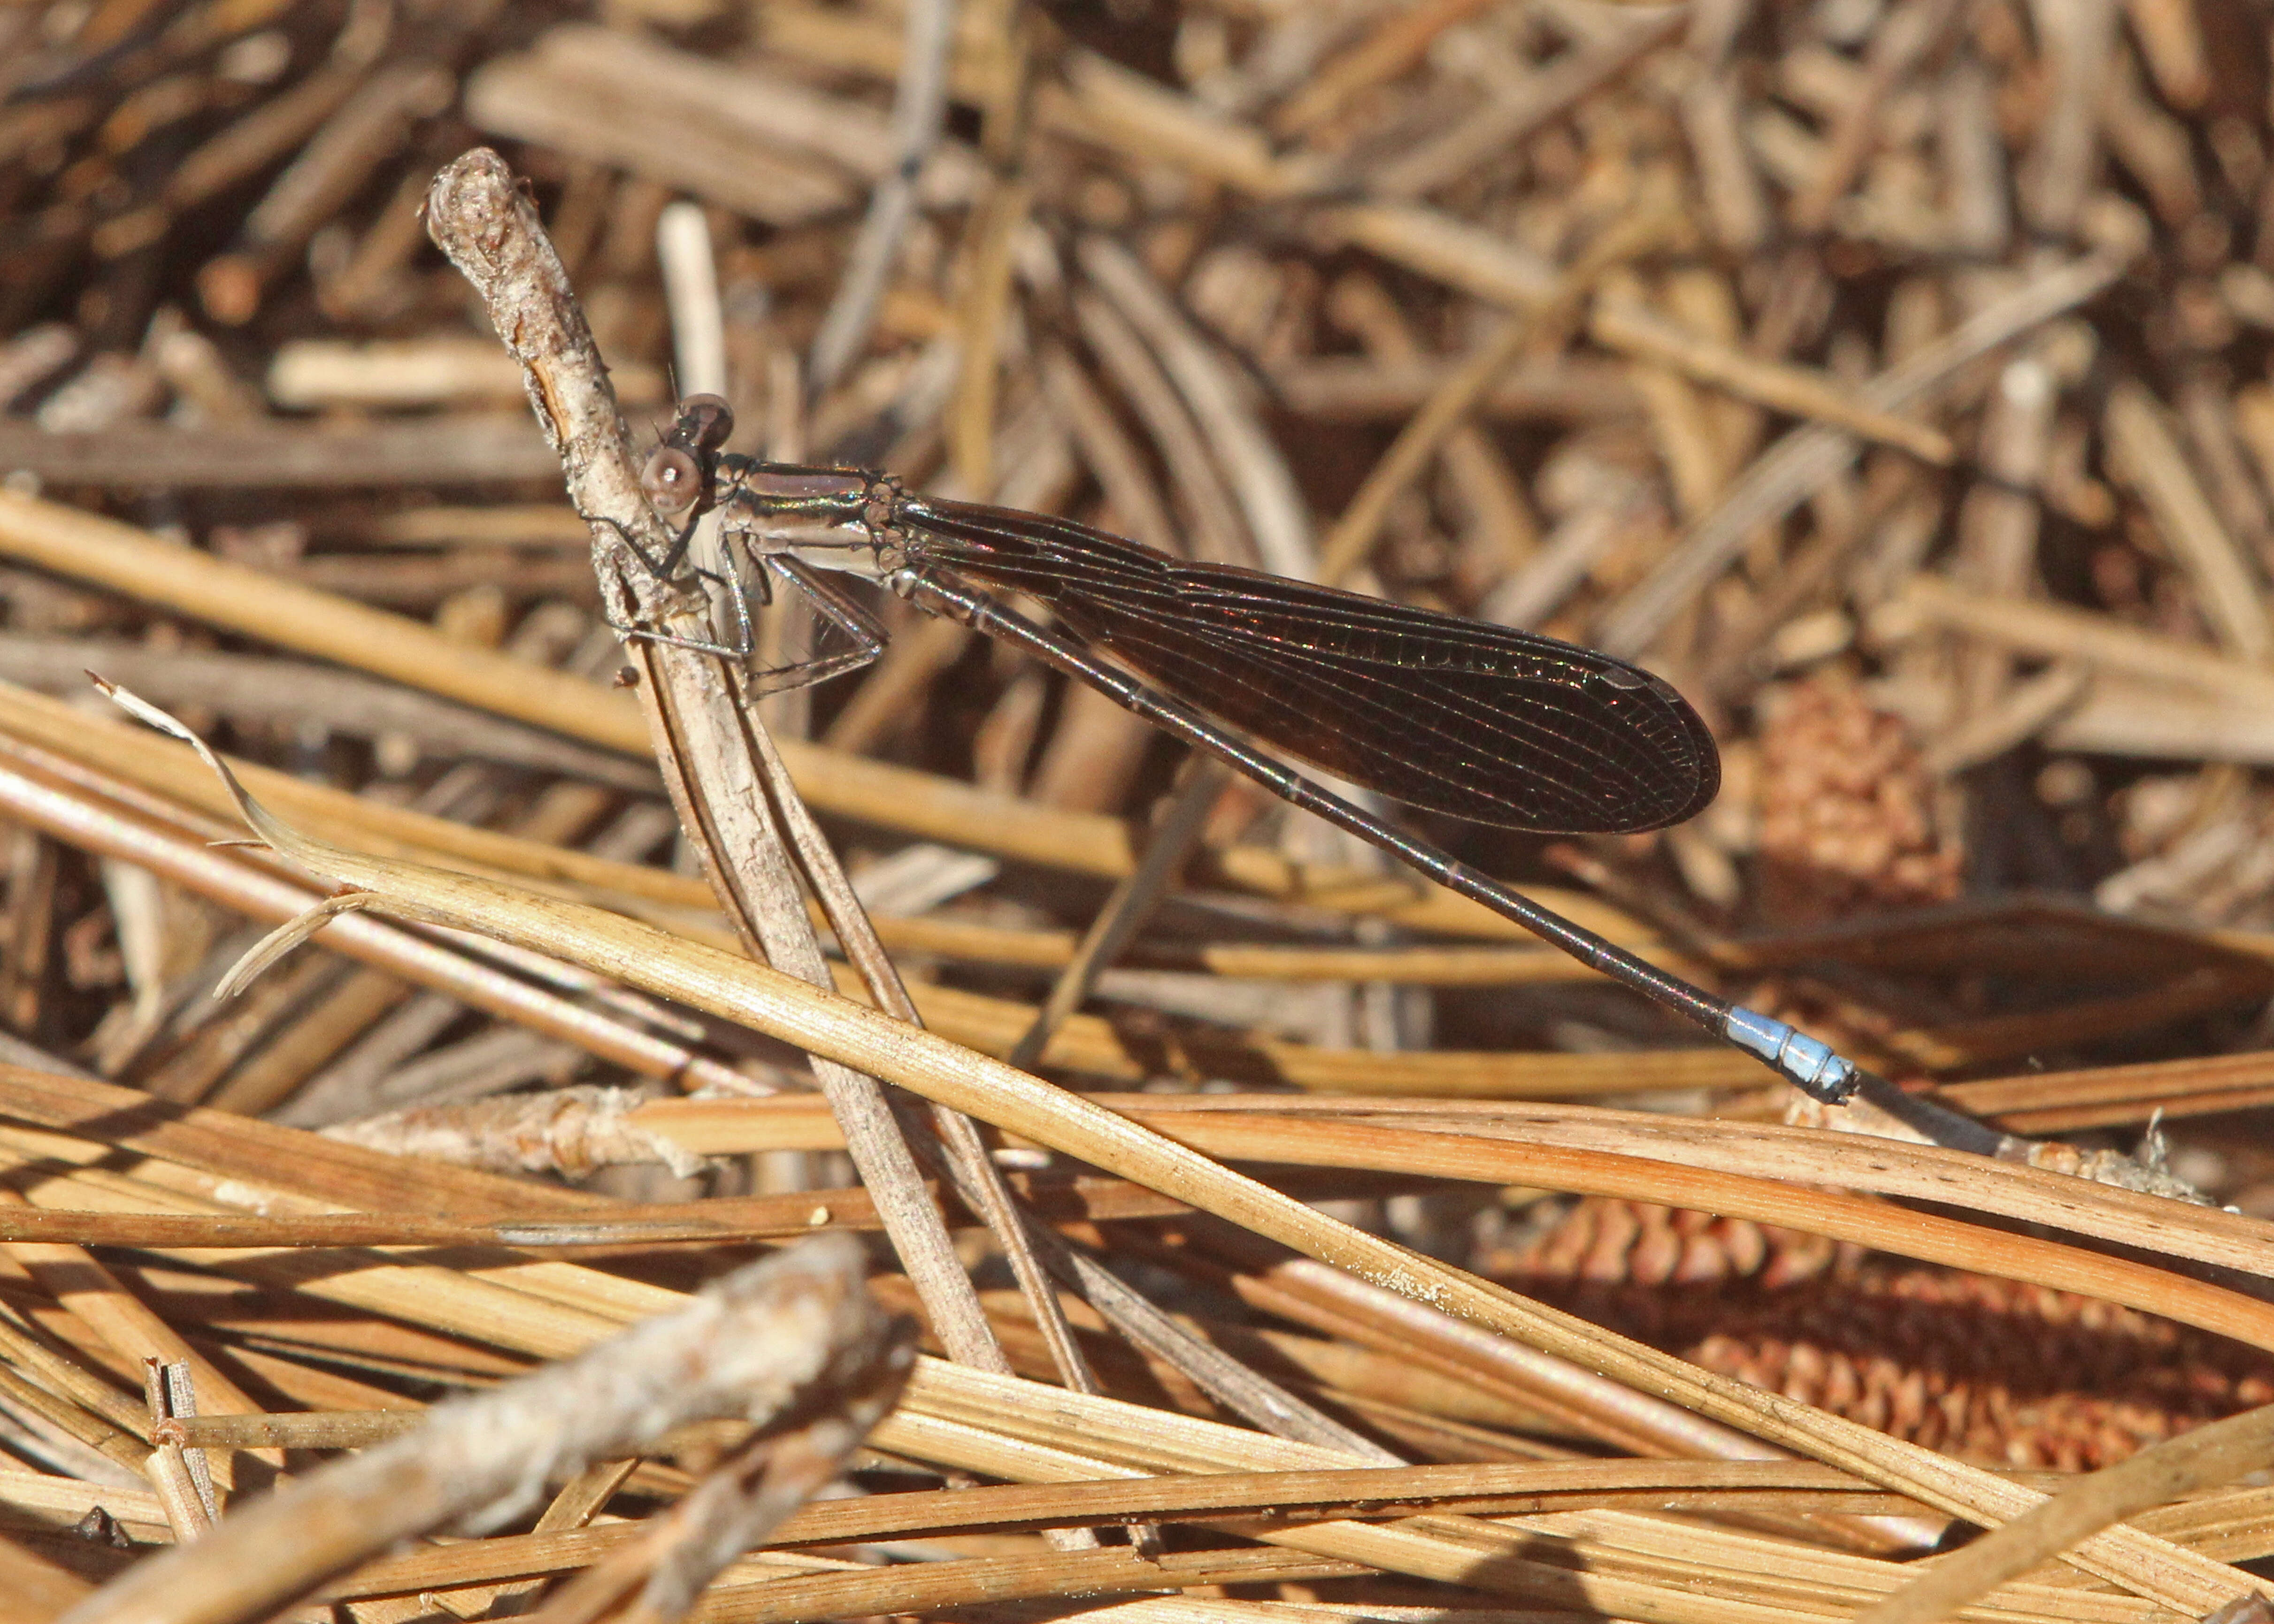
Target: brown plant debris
(1889,376)
(1848,815)
(1985,1369)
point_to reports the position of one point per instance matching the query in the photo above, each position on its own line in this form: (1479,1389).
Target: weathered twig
(793,1332)
(733,797)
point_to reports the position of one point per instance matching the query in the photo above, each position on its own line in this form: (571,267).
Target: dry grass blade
(1849,1218)
(1469,1488)
(1360,1131)
(293,616)
(184,856)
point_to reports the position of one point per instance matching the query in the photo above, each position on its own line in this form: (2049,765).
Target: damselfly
(1453,716)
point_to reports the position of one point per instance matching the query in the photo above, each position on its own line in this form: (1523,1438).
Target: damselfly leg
(848,617)
(745,641)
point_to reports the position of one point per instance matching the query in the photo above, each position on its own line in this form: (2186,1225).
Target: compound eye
(705,421)
(672,479)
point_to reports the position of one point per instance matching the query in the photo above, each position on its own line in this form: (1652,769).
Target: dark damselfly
(1482,722)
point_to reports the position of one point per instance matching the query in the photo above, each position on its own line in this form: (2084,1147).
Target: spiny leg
(851,618)
(666,571)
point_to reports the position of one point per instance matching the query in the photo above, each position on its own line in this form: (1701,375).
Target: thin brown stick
(718,765)
(1173,836)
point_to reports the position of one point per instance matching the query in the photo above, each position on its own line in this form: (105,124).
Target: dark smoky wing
(1034,553)
(1480,722)
(1453,716)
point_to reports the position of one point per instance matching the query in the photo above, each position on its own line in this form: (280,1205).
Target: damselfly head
(673,476)
(672,480)
(704,422)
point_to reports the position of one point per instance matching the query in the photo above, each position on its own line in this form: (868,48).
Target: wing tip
(1705,762)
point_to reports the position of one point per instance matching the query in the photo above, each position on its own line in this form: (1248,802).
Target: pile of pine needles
(1118,1187)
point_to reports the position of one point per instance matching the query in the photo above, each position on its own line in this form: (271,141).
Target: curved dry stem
(726,780)
(271,831)
(284,939)
(1276,514)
